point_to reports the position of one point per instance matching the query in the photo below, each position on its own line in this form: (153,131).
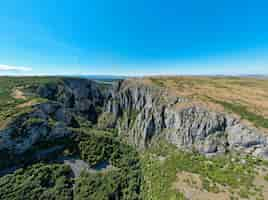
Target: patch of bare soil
(191,186)
(26,104)
(260,182)
(18,94)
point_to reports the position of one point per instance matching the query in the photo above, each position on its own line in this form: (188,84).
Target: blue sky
(122,37)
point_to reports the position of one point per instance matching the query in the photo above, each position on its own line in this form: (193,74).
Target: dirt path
(26,104)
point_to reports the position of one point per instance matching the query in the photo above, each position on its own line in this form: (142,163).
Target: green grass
(7,84)
(225,170)
(32,120)
(257,120)
(266,177)
(158,82)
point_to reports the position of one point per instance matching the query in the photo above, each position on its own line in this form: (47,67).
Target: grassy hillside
(173,174)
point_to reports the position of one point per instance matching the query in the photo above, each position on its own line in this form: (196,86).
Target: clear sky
(137,37)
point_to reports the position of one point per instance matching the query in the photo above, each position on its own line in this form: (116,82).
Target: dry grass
(260,181)
(250,92)
(27,104)
(190,185)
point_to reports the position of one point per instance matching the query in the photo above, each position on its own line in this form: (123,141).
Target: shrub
(39,181)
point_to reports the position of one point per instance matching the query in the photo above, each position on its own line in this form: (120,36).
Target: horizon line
(140,75)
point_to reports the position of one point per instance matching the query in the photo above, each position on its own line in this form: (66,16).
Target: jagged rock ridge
(144,113)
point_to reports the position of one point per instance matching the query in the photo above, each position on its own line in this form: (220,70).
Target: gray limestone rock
(192,127)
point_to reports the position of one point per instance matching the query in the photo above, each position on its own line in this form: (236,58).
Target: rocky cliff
(143,112)
(140,112)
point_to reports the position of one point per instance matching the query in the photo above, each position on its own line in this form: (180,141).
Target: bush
(98,186)
(106,121)
(126,183)
(225,170)
(39,181)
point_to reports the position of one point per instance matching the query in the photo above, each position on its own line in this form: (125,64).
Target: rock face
(144,113)
(45,122)
(80,96)
(48,121)
(141,113)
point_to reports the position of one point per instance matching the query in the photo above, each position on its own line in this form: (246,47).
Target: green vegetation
(97,148)
(9,159)
(257,120)
(129,117)
(53,181)
(148,175)
(106,120)
(32,120)
(39,181)
(123,181)
(266,177)
(9,104)
(226,170)
(98,186)
(158,82)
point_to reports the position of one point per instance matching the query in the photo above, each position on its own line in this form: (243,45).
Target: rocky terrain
(49,120)
(55,118)
(144,112)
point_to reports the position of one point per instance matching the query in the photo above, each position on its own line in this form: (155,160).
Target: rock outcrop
(80,96)
(53,119)
(144,112)
(45,122)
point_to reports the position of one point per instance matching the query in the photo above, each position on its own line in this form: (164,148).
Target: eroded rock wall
(144,113)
